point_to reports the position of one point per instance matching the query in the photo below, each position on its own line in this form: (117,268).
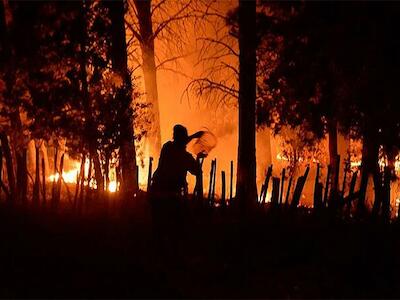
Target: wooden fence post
(350,197)
(211,190)
(282,186)
(214,180)
(266,182)
(198,189)
(44,182)
(386,194)
(299,189)
(223,203)
(275,191)
(53,189)
(328,175)
(334,195)
(288,190)
(60,178)
(231,184)
(36,187)
(150,174)
(317,191)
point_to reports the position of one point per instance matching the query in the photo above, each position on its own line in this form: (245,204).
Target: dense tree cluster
(337,70)
(61,81)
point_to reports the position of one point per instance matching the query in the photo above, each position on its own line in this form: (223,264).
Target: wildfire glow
(112,186)
(68,177)
(71,177)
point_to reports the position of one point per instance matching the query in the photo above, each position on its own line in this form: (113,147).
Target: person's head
(180,135)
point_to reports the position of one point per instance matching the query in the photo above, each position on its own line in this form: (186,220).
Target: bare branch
(134,32)
(218,42)
(173,18)
(175,72)
(171,59)
(157,6)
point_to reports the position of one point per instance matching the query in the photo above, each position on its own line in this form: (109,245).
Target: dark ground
(104,254)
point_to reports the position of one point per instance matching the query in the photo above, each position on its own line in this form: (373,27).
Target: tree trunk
(59,181)
(3,28)
(82,185)
(246,187)
(36,187)
(22,175)
(129,182)
(78,181)
(333,157)
(385,195)
(391,155)
(150,73)
(88,188)
(9,164)
(97,170)
(53,187)
(2,187)
(91,130)
(44,182)
(107,171)
(369,165)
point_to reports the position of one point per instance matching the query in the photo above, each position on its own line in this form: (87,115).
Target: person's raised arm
(196,135)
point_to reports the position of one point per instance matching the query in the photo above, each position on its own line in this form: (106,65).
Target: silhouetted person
(169,187)
(170,177)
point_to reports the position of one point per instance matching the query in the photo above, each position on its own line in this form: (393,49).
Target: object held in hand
(206,141)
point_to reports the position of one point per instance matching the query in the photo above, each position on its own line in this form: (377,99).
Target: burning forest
(199,148)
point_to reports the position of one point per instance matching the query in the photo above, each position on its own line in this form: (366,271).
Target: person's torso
(172,170)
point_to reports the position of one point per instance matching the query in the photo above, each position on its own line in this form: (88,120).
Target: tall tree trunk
(82,185)
(55,171)
(246,189)
(392,153)
(22,175)
(9,164)
(129,183)
(36,187)
(3,29)
(59,182)
(44,183)
(18,139)
(333,156)
(91,130)
(150,74)
(2,186)
(369,166)
(107,171)
(97,172)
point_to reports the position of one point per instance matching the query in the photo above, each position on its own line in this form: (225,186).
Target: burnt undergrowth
(111,251)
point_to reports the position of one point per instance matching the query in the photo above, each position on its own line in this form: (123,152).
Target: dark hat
(180,134)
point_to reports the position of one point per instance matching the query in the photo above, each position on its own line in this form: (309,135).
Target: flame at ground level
(72,176)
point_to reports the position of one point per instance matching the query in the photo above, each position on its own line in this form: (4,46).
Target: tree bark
(369,166)
(36,187)
(107,171)
(150,73)
(333,156)
(97,170)
(129,182)
(22,175)
(91,129)
(44,182)
(246,189)
(53,187)
(59,181)
(3,29)
(9,164)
